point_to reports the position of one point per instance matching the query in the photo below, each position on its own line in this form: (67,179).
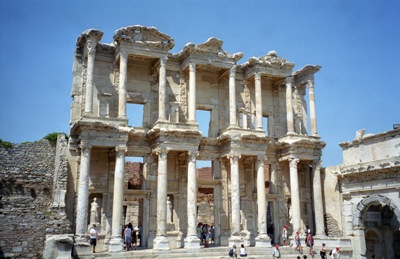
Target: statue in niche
(94,215)
(243,220)
(169,210)
(290,213)
(298,107)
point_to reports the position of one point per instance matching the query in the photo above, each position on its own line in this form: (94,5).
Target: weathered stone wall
(26,189)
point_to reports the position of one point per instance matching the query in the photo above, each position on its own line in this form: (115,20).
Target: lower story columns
(262,240)
(117,243)
(161,241)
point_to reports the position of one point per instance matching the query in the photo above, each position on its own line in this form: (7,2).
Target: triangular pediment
(146,36)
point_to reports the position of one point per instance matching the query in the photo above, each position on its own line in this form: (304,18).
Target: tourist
(232,252)
(285,236)
(128,237)
(212,234)
(134,237)
(206,235)
(275,252)
(242,252)
(336,253)
(198,230)
(322,251)
(310,243)
(297,242)
(93,237)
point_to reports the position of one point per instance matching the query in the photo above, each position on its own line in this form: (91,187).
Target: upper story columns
(289,105)
(313,118)
(91,53)
(88,41)
(257,79)
(123,74)
(192,92)
(232,97)
(162,92)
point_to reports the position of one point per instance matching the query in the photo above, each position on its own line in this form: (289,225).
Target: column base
(161,243)
(192,242)
(82,248)
(235,240)
(116,245)
(263,240)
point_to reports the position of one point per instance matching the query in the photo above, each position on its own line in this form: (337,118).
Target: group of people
(242,251)
(206,234)
(309,241)
(131,235)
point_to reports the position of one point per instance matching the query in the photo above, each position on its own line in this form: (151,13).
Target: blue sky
(357,43)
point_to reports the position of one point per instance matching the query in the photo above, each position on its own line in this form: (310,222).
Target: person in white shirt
(243,252)
(336,253)
(93,237)
(275,252)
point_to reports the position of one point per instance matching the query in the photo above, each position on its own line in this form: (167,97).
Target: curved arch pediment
(364,204)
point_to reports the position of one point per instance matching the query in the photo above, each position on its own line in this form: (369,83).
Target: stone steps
(206,253)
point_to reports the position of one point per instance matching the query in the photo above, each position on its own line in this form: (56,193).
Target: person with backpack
(232,252)
(275,252)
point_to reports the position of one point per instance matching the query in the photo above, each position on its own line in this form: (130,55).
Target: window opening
(134,114)
(203,118)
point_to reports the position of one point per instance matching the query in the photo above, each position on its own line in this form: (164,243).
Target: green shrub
(52,137)
(5,144)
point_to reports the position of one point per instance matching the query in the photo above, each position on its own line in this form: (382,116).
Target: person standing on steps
(297,242)
(93,237)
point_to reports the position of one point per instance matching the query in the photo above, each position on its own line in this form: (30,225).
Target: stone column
(295,194)
(259,116)
(162,88)
(232,97)
(161,241)
(192,241)
(116,242)
(91,53)
(235,199)
(289,105)
(262,240)
(192,92)
(311,98)
(216,167)
(318,203)
(123,75)
(83,194)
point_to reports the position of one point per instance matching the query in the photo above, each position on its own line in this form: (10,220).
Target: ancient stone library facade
(134,100)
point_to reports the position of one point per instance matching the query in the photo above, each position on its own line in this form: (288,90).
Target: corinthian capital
(163,61)
(293,161)
(192,155)
(85,149)
(232,71)
(289,80)
(317,164)
(192,67)
(233,157)
(91,47)
(121,150)
(162,153)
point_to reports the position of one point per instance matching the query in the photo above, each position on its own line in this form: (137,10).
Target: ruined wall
(26,188)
